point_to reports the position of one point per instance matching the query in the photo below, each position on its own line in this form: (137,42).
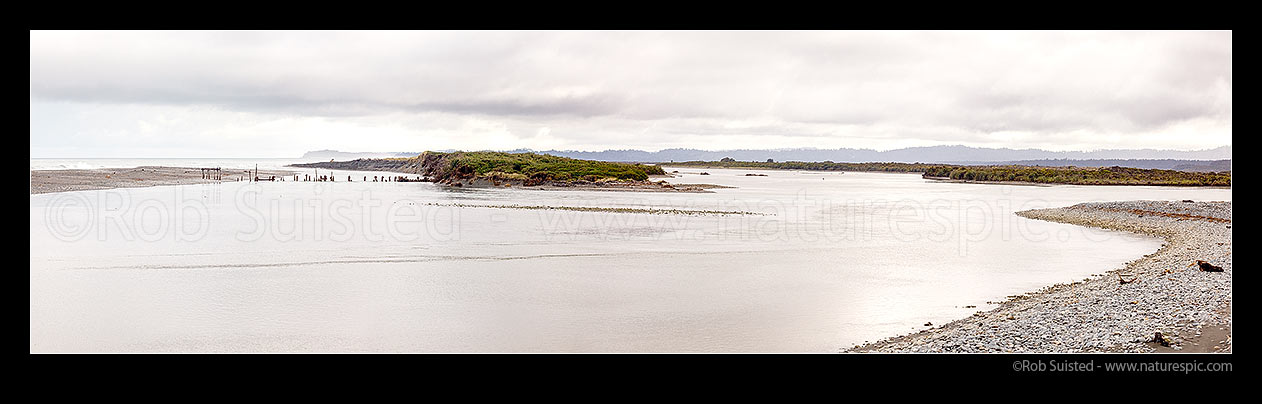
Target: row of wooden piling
(216,174)
(375,178)
(212,174)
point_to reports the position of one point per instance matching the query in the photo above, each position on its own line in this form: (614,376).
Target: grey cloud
(578,106)
(261,101)
(923,82)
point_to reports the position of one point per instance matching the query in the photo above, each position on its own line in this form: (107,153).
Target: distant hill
(1191,160)
(1159,164)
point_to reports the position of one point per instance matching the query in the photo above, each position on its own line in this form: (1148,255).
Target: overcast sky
(279,94)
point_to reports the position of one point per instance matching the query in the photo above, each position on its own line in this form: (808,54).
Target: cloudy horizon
(280,94)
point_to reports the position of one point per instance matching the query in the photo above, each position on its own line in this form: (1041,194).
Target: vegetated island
(526,170)
(997,173)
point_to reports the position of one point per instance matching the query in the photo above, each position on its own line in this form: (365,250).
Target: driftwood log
(1207,267)
(1123,281)
(1162,339)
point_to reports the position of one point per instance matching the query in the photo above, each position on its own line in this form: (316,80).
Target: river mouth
(829,261)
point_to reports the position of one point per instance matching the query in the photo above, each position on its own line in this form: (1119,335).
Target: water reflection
(829,260)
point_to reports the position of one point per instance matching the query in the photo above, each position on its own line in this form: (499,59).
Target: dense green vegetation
(1044,175)
(1081,175)
(522,166)
(534,168)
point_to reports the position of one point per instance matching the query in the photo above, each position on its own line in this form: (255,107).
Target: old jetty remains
(212,174)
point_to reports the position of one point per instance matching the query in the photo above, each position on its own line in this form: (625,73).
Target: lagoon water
(817,262)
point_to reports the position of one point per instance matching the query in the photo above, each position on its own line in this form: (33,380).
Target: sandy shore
(1021,183)
(1100,314)
(46,181)
(623,186)
(646,186)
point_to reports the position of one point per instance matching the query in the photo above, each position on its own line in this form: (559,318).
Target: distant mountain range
(1216,159)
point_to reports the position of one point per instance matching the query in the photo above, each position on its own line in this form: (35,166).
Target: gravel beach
(46,181)
(1166,292)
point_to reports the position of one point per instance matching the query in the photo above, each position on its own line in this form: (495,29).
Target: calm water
(834,260)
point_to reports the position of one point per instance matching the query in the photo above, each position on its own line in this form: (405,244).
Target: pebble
(1099,315)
